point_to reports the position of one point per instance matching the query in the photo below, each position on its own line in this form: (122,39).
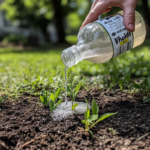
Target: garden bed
(26,125)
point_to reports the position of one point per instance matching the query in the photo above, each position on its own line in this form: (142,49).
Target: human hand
(101,6)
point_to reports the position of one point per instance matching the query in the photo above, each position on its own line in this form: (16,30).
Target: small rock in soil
(133,147)
(108,142)
(127,143)
(120,142)
(141,144)
(124,148)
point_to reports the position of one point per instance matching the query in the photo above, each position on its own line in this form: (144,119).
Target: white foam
(64,110)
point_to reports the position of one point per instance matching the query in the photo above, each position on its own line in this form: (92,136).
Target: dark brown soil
(25,125)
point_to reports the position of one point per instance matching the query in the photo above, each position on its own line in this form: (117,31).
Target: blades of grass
(94,107)
(74,106)
(105,116)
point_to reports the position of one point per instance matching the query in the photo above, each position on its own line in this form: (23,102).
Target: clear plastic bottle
(104,39)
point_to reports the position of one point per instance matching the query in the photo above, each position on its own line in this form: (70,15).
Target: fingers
(108,9)
(97,10)
(94,3)
(129,17)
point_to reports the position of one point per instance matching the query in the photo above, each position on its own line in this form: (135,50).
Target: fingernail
(131,26)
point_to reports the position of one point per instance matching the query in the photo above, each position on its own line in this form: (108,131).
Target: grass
(32,71)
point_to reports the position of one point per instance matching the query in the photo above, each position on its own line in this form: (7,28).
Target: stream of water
(66,68)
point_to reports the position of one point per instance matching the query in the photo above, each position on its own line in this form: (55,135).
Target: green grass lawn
(31,71)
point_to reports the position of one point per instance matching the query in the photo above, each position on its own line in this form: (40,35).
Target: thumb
(129,17)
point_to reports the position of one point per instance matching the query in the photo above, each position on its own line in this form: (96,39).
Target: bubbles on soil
(64,110)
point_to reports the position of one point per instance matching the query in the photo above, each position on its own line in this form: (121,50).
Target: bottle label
(122,39)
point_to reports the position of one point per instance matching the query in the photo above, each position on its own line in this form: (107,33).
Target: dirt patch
(24,125)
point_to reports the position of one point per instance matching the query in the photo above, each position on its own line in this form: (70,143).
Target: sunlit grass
(32,71)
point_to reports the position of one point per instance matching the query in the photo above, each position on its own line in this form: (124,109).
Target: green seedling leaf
(51,105)
(121,84)
(44,98)
(145,82)
(59,102)
(57,94)
(52,97)
(137,86)
(91,133)
(93,117)
(146,100)
(51,91)
(94,107)
(77,88)
(68,89)
(83,121)
(87,114)
(74,106)
(106,116)
(86,101)
(41,98)
(2,99)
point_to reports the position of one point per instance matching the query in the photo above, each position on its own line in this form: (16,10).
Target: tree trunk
(146,13)
(58,21)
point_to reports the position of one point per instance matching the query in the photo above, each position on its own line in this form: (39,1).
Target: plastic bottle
(104,39)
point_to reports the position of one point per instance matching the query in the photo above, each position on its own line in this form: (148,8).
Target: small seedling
(112,131)
(72,92)
(53,105)
(49,98)
(2,99)
(91,120)
(44,98)
(53,97)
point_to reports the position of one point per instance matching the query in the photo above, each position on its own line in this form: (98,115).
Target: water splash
(66,69)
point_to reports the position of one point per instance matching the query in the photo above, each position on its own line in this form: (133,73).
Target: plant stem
(143,136)
(86,127)
(93,125)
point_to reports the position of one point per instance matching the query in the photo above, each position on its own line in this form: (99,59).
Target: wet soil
(25,125)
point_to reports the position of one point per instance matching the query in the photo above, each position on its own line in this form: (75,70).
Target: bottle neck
(71,56)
